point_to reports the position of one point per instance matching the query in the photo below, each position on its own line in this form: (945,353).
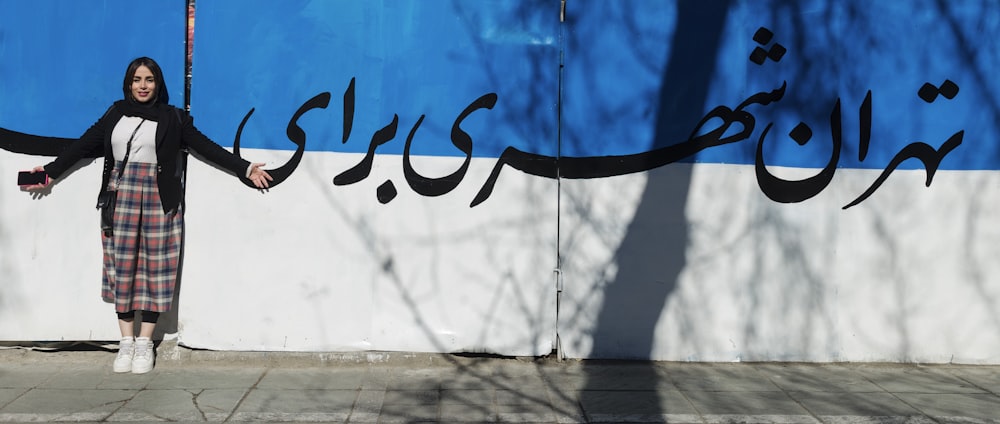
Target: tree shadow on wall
(651,255)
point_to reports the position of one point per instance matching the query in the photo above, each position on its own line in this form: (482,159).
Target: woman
(142,247)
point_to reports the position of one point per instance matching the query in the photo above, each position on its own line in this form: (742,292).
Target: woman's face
(143,85)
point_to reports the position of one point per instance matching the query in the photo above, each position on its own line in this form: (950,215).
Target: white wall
(313,266)
(908,275)
(50,258)
(725,274)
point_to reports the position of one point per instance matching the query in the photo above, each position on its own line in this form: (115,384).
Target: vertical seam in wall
(559,122)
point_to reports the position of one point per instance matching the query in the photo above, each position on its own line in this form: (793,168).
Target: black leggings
(147,316)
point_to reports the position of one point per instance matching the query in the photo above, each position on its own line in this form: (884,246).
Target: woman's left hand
(259,176)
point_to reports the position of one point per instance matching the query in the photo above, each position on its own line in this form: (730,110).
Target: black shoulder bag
(109,196)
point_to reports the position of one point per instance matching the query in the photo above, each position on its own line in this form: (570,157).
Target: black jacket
(175,132)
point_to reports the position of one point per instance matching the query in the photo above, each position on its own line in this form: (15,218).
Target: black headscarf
(150,111)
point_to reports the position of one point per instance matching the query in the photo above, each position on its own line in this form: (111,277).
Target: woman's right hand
(39,186)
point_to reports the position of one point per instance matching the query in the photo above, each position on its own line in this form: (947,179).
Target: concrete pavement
(378,387)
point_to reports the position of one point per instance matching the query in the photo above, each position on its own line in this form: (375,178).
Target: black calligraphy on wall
(714,129)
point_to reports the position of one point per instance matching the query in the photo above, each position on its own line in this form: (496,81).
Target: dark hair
(161,95)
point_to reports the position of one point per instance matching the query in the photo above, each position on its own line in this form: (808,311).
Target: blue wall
(429,59)
(641,75)
(620,87)
(62,62)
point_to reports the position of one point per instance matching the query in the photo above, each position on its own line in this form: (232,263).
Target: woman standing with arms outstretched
(143,140)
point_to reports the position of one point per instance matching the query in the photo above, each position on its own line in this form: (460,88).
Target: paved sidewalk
(403,388)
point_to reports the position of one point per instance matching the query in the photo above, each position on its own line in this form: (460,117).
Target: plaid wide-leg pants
(142,255)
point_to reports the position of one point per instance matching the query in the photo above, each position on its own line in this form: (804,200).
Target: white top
(143,145)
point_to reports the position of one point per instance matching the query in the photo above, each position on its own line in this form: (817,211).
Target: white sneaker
(126,350)
(142,362)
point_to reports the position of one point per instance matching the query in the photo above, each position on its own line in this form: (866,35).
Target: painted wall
(785,113)
(736,180)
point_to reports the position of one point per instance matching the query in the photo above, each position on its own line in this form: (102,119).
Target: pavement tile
(8,395)
(534,408)
(745,403)
(123,381)
(570,377)
(645,418)
(179,405)
(80,417)
(145,417)
(217,404)
(965,420)
(719,377)
(817,378)
(877,419)
(465,390)
(853,404)
(982,376)
(415,379)
(468,413)
(15,376)
(517,368)
(369,402)
(398,413)
(412,397)
(521,397)
(610,375)
(951,405)
(89,403)
(912,379)
(641,370)
(556,391)
(562,412)
(377,378)
(605,382)
(205,378)
(160,405)
(260,401)
(273,417)
(511,383)
(618,402)
(363,417)
(760,419)
(529,417)
(313,379)
(95,377)
(468,396)
(469,381)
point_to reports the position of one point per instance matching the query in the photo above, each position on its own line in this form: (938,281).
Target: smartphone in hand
(27,178)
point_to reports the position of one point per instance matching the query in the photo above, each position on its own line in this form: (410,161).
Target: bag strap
(128,149)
